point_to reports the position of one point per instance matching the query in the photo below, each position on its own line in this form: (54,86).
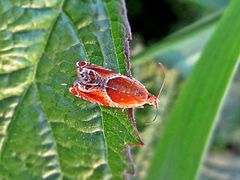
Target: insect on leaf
(45,132)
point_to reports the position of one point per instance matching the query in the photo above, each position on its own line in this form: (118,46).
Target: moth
(108,88)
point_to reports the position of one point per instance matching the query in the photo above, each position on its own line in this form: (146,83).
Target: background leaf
(45,131)
(184,141)
(179,52)
(182,49)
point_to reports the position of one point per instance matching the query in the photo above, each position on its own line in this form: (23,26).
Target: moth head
(89,77)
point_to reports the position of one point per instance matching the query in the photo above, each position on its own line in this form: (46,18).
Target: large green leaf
(184,141)
(182,49)
(179,52)
(45,132)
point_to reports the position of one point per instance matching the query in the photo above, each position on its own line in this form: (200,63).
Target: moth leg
(131,113)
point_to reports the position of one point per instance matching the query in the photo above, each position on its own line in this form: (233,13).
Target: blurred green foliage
(180,51)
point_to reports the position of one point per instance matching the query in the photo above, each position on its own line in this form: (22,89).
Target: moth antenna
(155,117)
(164,80)
(159,93)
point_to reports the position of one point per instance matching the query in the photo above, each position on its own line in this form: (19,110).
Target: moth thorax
(89,77)
(152,100)
(83,87)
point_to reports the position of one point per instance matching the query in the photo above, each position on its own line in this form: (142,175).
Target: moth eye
(84,77)
(76,84)
(91,73)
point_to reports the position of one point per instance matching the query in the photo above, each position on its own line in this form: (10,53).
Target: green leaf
(45,132)
(211,4)
(182,49)
(184,141)
(179,52)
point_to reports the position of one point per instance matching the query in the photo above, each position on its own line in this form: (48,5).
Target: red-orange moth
(106,87)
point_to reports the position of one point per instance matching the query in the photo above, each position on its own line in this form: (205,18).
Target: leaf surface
(45,132)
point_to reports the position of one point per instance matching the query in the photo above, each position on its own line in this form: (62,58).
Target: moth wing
(126,92)
(95,96)
(103,72)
